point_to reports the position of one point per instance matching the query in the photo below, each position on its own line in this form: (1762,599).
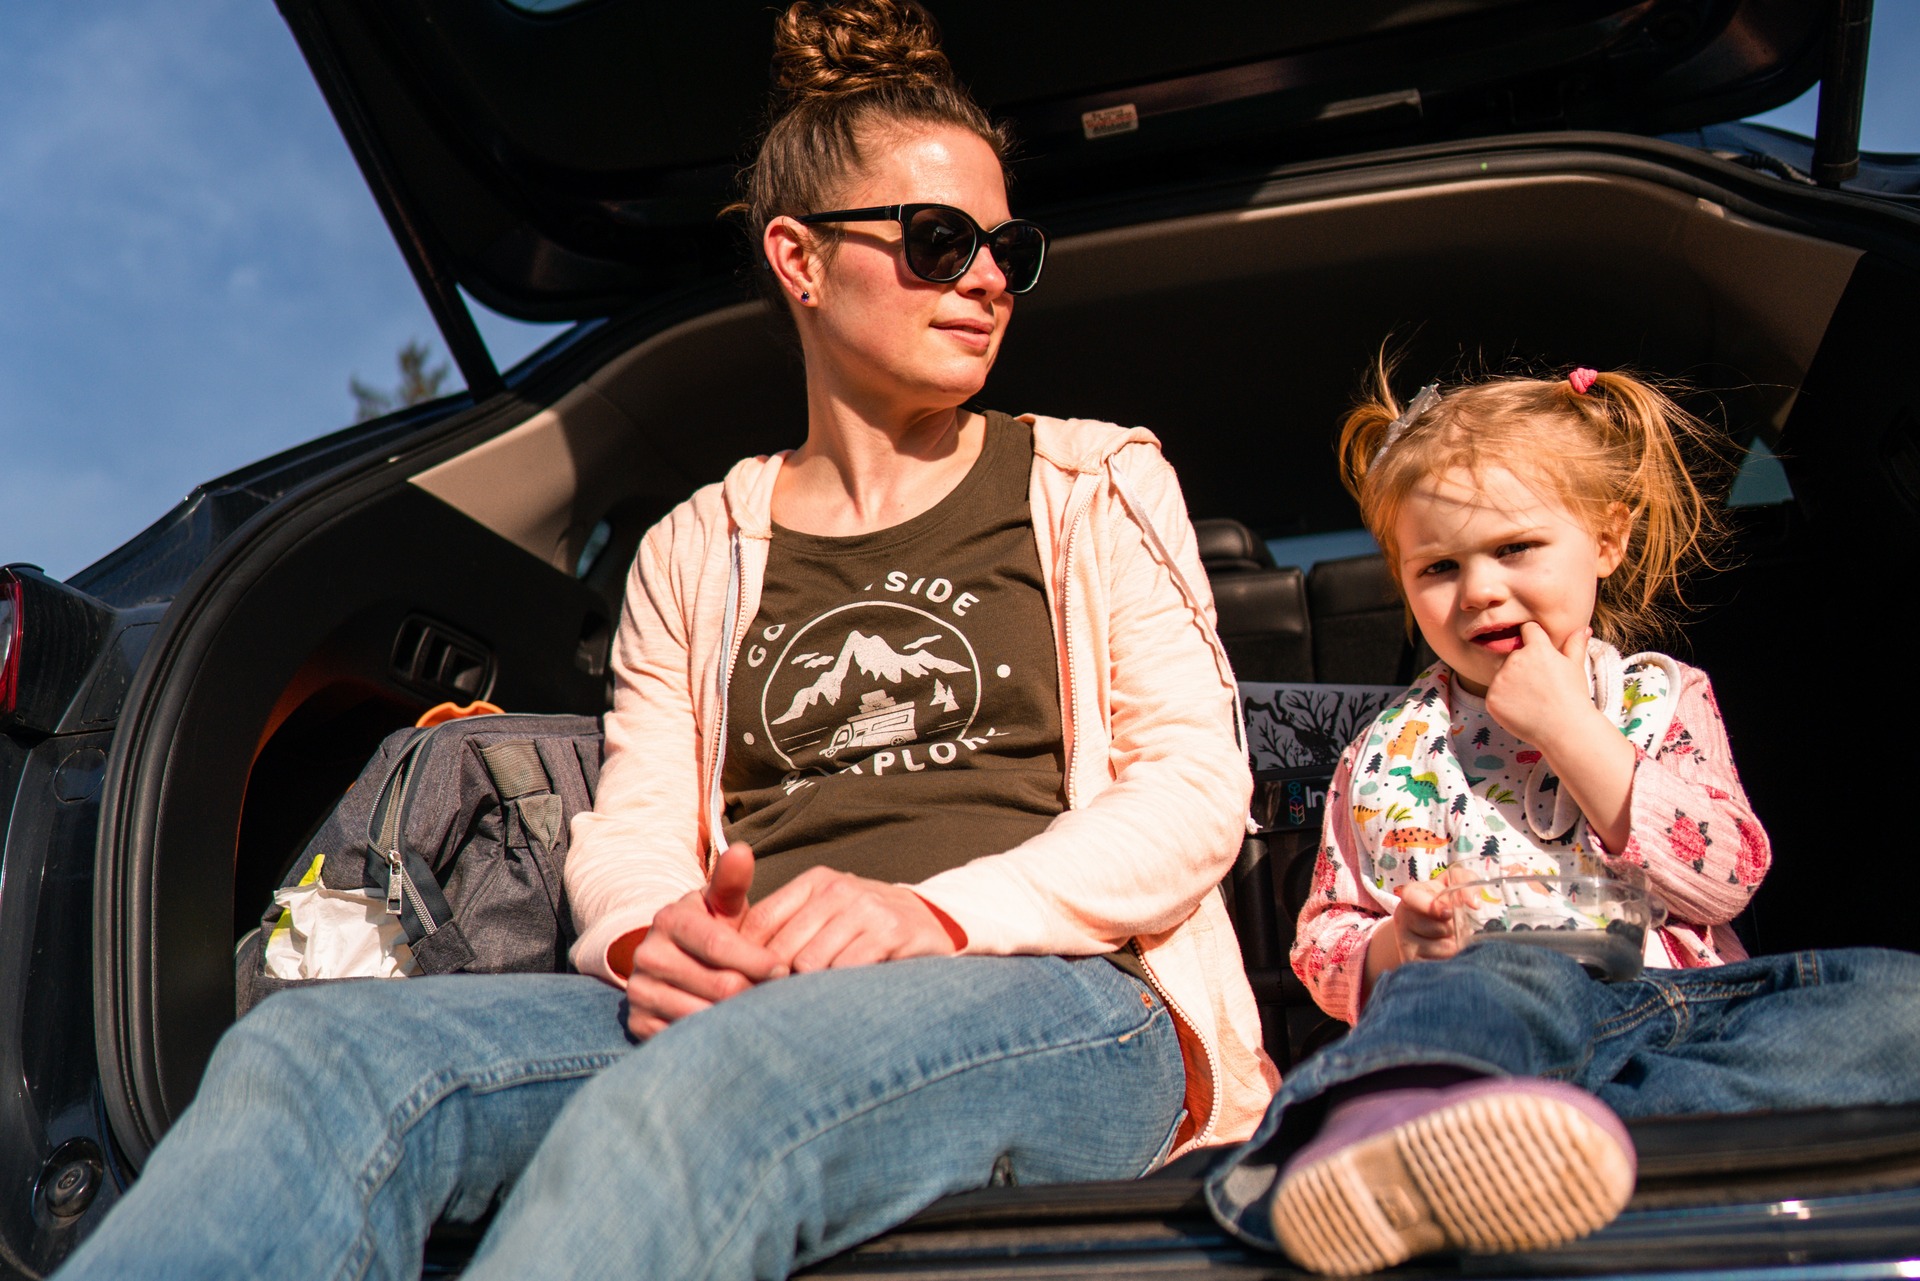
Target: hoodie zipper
(1073,697)
(731,625)
(1066,640)
(1205,1129)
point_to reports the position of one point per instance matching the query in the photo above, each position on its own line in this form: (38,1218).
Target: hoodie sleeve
(638,849)
(1136,857)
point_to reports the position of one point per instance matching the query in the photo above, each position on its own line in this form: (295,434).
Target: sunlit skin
(1501,579)
(890,359)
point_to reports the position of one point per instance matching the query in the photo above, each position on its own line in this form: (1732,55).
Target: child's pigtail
(1364,431)
(1672,529)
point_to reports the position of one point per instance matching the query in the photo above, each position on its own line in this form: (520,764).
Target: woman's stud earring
(805,296)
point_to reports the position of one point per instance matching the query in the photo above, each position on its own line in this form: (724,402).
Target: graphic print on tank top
(874,674)
(895,709)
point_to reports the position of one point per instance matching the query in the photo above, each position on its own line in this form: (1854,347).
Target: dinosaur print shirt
(1392,816)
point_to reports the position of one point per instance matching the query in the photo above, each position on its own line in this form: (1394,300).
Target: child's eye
(1438,568)
(1514,549)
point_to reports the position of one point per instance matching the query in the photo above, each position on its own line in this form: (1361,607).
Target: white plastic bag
(325,933)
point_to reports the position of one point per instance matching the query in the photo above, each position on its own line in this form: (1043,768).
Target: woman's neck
(860,471)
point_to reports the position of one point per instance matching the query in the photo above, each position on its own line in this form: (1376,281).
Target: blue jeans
(1805,1030)
(334,1126)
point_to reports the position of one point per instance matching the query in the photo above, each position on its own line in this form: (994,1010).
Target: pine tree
(419,382)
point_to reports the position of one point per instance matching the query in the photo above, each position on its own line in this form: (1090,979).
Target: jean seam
(892,1097)
(424,1097)
(1659,1001)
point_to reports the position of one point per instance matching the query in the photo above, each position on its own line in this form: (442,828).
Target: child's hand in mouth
(1540,689)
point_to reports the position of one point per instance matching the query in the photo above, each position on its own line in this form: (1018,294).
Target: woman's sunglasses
(941,241)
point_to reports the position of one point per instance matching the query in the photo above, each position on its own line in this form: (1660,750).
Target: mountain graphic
(876,658)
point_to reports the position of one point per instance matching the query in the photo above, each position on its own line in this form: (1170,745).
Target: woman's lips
(1500,640)
(973,334)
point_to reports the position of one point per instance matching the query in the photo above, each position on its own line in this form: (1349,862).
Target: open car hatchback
(1244,200)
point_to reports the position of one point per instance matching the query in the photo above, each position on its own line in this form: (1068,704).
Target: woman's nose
(983,277)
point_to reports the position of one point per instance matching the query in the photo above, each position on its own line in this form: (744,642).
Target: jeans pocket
(1166,1144)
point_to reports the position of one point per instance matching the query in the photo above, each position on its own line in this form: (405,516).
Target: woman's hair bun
(830,49)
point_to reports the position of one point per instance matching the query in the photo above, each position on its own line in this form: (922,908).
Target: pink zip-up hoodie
(1157,782)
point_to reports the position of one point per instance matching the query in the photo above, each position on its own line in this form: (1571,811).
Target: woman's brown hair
(1622,442)
(845,74)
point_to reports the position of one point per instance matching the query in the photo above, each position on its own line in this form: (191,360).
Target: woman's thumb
(731,881)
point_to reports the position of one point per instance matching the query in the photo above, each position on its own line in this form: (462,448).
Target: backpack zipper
(401,890)
(387,841)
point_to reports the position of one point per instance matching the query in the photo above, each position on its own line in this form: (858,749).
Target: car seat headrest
(1229,547)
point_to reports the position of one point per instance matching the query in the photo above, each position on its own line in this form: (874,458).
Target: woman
(946,681)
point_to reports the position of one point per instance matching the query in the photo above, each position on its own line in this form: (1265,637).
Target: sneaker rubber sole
(1496,1172)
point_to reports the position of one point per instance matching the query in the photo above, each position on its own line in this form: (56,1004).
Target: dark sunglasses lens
(940,244)
(1019,248)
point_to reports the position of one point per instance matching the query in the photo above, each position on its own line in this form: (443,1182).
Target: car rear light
(11,622)
(50,637)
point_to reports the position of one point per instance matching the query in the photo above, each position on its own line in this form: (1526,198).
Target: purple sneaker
(1502,1163)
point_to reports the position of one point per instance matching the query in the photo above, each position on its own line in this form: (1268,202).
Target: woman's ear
(1616,529)
(789,248)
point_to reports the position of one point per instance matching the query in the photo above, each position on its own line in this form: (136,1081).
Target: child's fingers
(1426,899)
(1576,647)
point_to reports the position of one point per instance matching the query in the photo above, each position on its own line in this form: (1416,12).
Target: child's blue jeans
(1805,1030)
(334,1126)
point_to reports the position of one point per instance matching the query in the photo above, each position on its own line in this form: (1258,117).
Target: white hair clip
(1423,400)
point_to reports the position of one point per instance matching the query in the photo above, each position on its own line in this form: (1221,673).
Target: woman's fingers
(836,935)
(689,927)
(824,919)
(675,967)
(765,918)
(815,900)
(651,1005)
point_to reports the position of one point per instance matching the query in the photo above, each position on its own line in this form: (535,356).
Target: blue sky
(191,267)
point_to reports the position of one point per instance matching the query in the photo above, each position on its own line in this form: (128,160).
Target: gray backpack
(462,830)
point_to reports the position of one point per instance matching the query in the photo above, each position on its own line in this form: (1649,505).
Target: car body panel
(565,165)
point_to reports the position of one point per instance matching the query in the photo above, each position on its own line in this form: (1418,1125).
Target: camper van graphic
(881,723)
(867,676)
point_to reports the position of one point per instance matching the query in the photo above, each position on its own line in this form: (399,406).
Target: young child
(1537,528)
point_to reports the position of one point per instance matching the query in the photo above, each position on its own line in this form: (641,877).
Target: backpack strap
(514,766)
(522,779)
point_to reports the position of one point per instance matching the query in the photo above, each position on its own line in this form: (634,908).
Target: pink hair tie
(1582,378)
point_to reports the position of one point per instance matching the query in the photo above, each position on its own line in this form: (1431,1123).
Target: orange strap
(444,712)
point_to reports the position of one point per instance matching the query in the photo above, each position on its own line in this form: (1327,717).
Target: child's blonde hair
(1588,441)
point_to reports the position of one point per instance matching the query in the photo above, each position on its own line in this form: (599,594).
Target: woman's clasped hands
(711,944)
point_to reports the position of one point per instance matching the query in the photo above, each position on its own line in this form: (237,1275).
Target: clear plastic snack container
(1599,921)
